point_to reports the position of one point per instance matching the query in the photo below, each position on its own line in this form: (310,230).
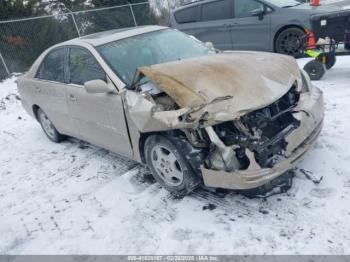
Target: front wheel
(48,127)
(169,166)
(289,42)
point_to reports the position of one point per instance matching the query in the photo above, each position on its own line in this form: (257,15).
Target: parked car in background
(343,3)
(263,25)
(234,120)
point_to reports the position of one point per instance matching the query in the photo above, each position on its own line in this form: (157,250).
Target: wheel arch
(142,142)
(35,109)
(283,28)
(144,136)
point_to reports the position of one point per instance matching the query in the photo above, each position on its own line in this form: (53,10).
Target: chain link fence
(23,40)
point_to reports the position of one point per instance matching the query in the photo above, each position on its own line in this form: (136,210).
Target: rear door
(251,32)
(49,87)
(209,22)
(99,117)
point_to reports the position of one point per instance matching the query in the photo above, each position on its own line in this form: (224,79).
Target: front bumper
(310,112)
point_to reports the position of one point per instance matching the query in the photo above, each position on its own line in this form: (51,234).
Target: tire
(331,59)
(315,69)
(169,166)
(289,42)
(48,127)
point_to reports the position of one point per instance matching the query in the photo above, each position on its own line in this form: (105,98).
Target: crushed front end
(266,143)
(242,130)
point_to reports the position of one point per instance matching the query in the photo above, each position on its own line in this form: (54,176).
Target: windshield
(126,55)
(284,3)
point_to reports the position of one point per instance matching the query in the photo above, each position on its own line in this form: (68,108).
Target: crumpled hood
(245,80)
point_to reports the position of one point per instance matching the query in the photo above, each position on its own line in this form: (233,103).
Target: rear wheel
(48,127)
(315,69)
(169,166)
(289,42)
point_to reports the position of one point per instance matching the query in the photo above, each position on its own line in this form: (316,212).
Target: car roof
(194,3)
(112,35)
(200,2)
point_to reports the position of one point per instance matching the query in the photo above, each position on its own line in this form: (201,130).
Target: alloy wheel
(290,44)
(167,165)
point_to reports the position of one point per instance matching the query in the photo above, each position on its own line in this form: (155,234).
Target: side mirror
(97,87)
(209,45)
(258,12)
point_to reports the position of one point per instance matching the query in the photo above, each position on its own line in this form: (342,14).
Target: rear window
(217,10)
(52,68)
(188,15)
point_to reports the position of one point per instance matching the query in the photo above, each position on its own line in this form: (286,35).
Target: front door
(250,32)
(99,117)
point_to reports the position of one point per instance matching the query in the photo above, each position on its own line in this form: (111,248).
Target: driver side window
(243,8)
(83,67)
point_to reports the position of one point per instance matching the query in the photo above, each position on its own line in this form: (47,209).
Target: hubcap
(47,125)
(166,165)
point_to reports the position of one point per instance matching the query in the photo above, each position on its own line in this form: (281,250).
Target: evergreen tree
(23,41)
(19,8)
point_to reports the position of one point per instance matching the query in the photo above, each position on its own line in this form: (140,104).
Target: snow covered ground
(74,198)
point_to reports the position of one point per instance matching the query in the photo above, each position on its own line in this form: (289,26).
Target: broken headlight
(306,82)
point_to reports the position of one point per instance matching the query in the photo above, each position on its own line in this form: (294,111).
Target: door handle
(72,97)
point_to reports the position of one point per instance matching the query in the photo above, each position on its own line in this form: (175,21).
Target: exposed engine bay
(262,131)
(224,145)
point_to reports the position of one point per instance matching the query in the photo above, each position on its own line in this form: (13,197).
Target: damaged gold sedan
(194,115)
